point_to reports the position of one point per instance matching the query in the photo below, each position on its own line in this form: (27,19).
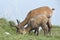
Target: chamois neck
(23,23)
(28,29)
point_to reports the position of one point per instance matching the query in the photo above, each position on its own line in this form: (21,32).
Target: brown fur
(41,10)
(35,22)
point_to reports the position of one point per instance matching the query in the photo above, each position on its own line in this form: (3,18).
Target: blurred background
(18,9)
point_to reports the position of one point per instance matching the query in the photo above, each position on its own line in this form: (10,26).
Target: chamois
(35,22)
(41,10)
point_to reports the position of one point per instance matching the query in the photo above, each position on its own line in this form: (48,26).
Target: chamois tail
(53,8)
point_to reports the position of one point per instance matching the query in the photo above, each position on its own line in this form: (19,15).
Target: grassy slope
(15,36)
(5,27)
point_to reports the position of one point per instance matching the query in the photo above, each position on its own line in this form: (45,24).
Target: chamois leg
(49,26)
(45,29)
(34,31)
(29,31)
(37,31)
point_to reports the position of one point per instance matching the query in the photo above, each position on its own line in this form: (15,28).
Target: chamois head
(19,28)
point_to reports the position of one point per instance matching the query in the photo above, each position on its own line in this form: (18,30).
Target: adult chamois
(41,10)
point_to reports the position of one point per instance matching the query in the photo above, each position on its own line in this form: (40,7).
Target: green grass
(5,27)
(16,36)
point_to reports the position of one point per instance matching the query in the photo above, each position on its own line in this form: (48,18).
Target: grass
(5,27)
(16,36)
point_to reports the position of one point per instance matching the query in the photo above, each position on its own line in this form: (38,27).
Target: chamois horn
(17,21)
